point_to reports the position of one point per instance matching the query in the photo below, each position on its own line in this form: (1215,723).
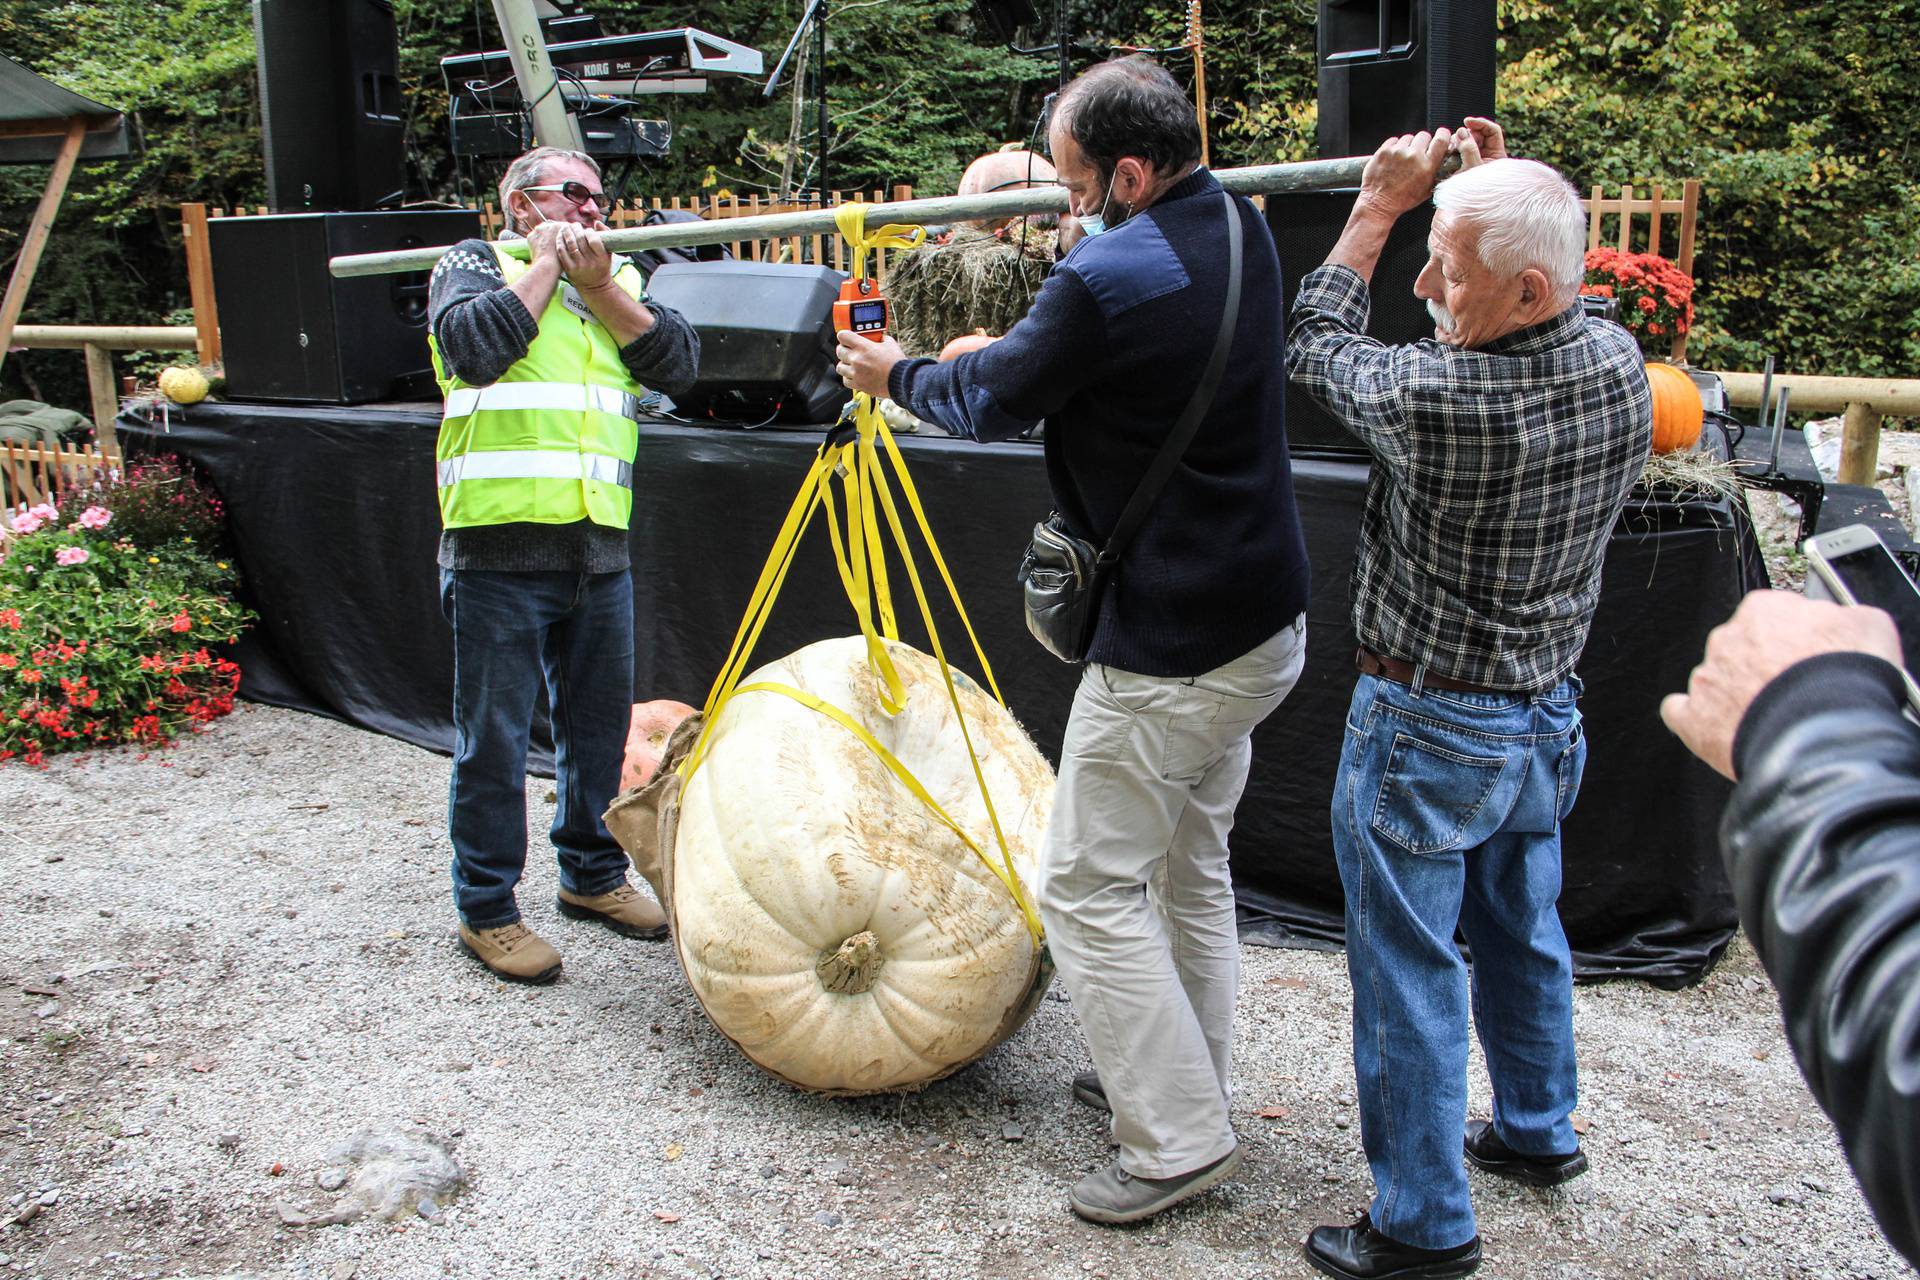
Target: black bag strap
(1184,430)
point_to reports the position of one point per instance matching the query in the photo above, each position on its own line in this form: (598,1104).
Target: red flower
(30,676)
(181,622)
(10,619)
(1656,297)
(8,662)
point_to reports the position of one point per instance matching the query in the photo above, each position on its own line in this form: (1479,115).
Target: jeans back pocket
(1433,800)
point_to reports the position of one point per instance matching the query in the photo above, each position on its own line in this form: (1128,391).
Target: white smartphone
(1853,566)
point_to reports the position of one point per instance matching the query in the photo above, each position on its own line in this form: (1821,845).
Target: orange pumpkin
(966,342)
(1677,410)
(653,723)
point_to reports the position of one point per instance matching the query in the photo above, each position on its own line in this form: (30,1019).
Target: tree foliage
(1800,120)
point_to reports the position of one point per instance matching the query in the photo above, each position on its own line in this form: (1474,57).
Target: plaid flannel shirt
(1498,475)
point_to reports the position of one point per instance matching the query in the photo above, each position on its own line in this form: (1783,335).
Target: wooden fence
(1614,221)
(36,473)
(98,343)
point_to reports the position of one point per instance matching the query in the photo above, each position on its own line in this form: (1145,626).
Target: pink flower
(95,518)
(71,555)
(46,511)
(27,522)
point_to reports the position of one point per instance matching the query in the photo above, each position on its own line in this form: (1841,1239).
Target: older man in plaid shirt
(1503,452)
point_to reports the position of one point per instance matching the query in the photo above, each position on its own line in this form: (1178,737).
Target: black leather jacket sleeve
(1822,843)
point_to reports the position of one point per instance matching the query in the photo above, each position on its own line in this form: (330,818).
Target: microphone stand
(816,18)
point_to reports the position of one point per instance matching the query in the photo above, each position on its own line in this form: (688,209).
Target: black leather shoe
(1088,1090)
(1359,1252)
(1486,1151)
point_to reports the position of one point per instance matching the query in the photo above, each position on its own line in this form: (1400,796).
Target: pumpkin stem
(854,967)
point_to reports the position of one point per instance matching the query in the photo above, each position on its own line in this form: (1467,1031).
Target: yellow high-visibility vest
(553,441)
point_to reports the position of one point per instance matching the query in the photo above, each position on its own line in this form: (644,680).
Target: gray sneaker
(1113,1195)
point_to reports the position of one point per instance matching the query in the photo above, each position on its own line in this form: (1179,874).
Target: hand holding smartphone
(1853,566)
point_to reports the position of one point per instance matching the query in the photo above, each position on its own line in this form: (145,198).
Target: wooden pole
(106,404)
(108,337)
(1820,393)
(1264,179)
(38,231)
(1196,36)
(1860,445)
(206,319)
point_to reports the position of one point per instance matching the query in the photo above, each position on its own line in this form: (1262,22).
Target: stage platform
(335,526)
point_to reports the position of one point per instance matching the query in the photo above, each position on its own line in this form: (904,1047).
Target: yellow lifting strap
(859,556)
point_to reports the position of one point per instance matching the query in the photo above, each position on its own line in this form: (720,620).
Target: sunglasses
(577,192)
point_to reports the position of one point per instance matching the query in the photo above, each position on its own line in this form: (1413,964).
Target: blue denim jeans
(1446,814)
(511,631)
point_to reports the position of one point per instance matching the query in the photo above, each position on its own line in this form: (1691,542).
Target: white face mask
(1095,224)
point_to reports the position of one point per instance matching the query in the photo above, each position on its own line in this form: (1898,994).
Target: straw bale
(975,281)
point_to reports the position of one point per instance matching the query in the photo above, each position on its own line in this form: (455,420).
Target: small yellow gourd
(183,385)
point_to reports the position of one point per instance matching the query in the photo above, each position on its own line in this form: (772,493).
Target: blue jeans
(511,630)
(1446,813)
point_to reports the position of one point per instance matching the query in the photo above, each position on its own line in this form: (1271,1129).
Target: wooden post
(1689,210)
(1196,36)
(38,231)
(206,319)
(1860,444)
(106,405)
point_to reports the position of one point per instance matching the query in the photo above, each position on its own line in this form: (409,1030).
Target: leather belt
(1372,664)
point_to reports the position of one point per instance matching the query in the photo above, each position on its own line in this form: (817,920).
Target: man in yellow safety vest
(543,364)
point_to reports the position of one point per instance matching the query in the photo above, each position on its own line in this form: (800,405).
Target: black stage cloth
(335,526)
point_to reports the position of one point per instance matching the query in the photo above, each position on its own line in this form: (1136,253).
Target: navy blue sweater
(1109,355)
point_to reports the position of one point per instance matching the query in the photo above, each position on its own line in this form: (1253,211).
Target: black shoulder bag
(1062,575)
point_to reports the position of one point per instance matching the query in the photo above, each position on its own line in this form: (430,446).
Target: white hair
(1527,215)
(528,171)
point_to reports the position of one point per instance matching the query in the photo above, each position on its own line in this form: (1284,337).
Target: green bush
(1801,121)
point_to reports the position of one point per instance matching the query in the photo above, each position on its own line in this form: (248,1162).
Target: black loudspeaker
(331,113)
(766,339)
(293,332)
(1305,227)
(1389,67)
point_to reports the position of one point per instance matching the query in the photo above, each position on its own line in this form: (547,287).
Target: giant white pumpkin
(830,925)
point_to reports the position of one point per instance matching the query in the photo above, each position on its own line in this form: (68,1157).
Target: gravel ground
(247,942)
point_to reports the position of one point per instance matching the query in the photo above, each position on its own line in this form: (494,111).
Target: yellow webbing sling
(859,557)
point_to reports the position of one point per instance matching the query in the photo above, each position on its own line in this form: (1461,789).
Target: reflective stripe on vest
(535,464)
(572,397)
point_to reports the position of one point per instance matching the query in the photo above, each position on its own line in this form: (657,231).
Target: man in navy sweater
(1202,628)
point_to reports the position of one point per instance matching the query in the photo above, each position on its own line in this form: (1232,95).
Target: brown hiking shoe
(514,952)
(625,911)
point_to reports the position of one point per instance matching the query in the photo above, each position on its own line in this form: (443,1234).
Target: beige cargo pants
(1136,896)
